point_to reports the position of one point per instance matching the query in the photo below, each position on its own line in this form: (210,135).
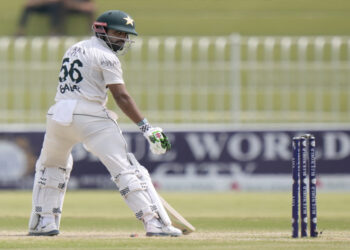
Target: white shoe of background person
(155,228)
(45,230)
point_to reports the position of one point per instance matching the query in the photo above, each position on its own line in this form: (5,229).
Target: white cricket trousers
(100,135)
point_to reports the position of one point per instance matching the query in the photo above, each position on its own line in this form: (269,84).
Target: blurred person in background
(58,12)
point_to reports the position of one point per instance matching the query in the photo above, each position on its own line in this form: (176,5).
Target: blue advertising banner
(199,160)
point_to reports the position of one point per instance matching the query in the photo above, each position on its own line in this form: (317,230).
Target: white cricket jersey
(87,68)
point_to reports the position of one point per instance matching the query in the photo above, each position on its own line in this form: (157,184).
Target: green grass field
(207,17)
(101,220)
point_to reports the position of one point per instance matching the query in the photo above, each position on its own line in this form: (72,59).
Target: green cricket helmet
(116,20)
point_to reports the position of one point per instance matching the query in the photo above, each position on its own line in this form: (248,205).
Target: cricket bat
(177,219)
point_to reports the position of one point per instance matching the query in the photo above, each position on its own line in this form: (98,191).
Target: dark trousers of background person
(53,10)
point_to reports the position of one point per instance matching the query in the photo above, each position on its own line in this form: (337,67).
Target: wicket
(303,162)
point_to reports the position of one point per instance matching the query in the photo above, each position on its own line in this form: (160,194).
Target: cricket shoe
(47,230)
(156,228)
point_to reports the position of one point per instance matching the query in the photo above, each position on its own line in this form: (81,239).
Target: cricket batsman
(89,69)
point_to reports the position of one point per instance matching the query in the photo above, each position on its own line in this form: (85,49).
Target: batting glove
(158,141)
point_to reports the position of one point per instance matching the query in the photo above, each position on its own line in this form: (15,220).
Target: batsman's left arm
(125,102)
(159,142)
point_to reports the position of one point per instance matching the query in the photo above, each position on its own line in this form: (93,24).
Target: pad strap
(135,186)
(145,211)
(52,183)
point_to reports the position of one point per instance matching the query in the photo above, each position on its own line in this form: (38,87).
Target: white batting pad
(50,185)
(143,175)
